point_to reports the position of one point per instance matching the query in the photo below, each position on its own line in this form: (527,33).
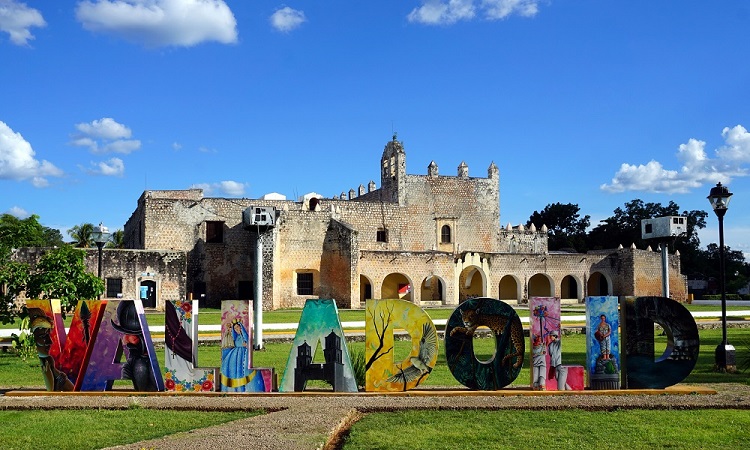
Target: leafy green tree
(624,228)
(737,270)
(566,227)
(17,233)
(28,232)
(82,235)
(61,273)
(116,240)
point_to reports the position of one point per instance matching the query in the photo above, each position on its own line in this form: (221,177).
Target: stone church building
(431,239)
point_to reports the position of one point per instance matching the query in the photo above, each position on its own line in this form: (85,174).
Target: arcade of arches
(472,282)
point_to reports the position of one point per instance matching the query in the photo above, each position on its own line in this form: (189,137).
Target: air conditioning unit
(663,227)
(254,216)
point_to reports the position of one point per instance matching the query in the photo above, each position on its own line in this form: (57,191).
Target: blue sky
(587,102)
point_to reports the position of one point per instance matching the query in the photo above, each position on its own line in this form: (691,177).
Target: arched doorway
(569,287)
(540,285)
(396,285)
(432,289)
(471,283)
(508,288)
(365,289)
(598,285)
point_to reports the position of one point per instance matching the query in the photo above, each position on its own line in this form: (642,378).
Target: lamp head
(719,198)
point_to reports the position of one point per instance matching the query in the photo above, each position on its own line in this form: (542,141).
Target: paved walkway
(307,421)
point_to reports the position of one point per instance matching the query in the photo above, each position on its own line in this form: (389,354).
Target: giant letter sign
(237,371)
(602,343)
(181,350)
(683,343)
(504,323)
(319,321)
(46,325)
(381,318)
(123,327)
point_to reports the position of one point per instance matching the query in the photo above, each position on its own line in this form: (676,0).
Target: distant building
(430,239)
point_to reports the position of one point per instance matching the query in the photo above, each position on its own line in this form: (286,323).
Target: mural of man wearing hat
(41,327)
(555,355)
(137,367)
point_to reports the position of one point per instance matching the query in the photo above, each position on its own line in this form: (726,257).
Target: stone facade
(431,239)
(161,272)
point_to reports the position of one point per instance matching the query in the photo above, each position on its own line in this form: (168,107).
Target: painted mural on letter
(505,324)
(237,371)
(180,350)
(643,369)
(383,373)
(319,323)
(602,342)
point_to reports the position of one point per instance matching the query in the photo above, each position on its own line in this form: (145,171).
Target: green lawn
(625,429)
(15,373)
(212,316)
(99,428)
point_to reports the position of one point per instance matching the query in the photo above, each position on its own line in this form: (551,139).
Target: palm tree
(82,235)
(116,240)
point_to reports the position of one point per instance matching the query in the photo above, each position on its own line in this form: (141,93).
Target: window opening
(304,284)
(114,287)
(214,232)
(445,234)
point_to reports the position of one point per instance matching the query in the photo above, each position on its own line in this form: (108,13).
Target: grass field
(99,428)
(212,316)
(625,429)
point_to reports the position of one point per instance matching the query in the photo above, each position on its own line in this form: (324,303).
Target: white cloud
(114,167)
(233,188)
(19,212)
(230,188)
(17,160)
(447,12)
(697,168)
(106,128)
(738,145)
(16,19)
(176,146)
(500,9)
(287,19)
(105,136)
(439,12)
(161,23)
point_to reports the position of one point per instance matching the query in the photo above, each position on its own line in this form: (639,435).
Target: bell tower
(393,171)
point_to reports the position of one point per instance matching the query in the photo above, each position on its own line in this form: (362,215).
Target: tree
(82,235)
(736,269)
(28,232)
(61,274)
(17,233)
(116,240)
(566,228)
(624,228)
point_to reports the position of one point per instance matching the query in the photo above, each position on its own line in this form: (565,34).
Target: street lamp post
(100,237)
(724,355)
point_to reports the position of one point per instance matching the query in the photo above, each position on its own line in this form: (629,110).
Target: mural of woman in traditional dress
(235,375)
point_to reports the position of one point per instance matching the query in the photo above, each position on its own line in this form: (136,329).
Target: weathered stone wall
(166,268)
(336,240)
